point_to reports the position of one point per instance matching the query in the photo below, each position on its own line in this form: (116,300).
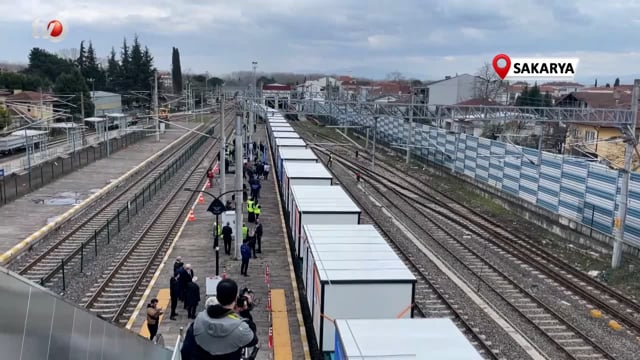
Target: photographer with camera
(219,333)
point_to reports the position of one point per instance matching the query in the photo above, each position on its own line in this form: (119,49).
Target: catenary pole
(410,130)
(616,259)
(223,154)
(239,171)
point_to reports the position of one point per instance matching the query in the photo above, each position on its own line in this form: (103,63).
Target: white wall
(360,301)
(452,91)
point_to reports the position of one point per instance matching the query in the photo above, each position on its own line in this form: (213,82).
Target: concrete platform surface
(195,245)
(29,213)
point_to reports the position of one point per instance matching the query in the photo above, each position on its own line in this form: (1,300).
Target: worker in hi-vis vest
(251,206)
(245,231)
(256,210)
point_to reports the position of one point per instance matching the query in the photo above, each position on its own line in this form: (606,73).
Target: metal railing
(176,349)
(117,222)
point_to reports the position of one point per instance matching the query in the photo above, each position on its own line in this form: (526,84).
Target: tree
(113,71)
(47,66)
(488,85)
(395,76)
(176,71)
(72,83)
(148,70)
(215,82)
(68,54)
(18,81)
(93,71)
(137,73)
(5,118)
(547,101)
(596,83)
(607,85)
(125,74)
(81,59)
(616,83)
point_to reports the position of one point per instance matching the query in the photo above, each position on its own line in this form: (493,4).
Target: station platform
(195,244)
(29,213)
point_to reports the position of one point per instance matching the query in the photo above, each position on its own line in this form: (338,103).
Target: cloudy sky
(426,39)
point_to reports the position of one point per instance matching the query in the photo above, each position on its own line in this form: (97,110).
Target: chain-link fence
(112,227)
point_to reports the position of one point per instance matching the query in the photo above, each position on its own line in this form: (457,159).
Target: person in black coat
(192,298)
(184,278)
(227,232)
(174,291)
(251,238)
(258,231)
(177,265)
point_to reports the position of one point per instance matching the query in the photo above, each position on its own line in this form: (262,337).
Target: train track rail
(120,288)
(67,247)
(501,239)
(568,339)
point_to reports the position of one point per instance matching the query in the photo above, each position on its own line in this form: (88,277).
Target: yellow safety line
(280,320)
(39,234)
(156,275)
(303,331)
(164,298)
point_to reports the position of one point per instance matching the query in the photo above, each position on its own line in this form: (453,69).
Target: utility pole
(239,172)
(155,105)
(375,131)
(82,114)
(620,221)
(410,135)
(223,154)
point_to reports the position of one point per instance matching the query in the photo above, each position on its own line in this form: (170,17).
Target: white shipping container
(302,173)
(290,142)
(292,154)
(282,135)
(318,204)
(399,339)
(362,289)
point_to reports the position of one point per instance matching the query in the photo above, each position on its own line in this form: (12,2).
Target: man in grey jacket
(218,333)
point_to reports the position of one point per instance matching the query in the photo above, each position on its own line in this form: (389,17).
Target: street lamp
(216,208)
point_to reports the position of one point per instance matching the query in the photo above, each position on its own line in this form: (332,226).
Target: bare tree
(395,76)
(68,54)
(488,84)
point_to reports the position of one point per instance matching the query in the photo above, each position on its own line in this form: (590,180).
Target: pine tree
(535,96)
(81,57)
(93,70)
(547,100)
(147,64)
(523,99)
(176,71)
(616,83)
(139,81)
(113,71)
(124,76)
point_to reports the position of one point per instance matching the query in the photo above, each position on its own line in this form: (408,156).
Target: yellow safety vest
(256,210)
(245,230)
(250,206)
(219,230)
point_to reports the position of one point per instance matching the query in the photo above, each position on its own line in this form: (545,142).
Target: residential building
(165,80)
(601,141)
(273,92)
(452,90)
(317,88)
(556,89)
(106,103)
(393,88)
(31,106)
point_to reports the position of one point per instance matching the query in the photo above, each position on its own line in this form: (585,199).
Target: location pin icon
(502,71)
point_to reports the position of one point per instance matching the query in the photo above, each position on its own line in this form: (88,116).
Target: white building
(316,88)
(452,90)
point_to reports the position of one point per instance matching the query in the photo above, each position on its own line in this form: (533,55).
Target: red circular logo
(54,28)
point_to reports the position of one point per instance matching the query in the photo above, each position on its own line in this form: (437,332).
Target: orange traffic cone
(208,184)
(192,216)
(201,199)
(224,273)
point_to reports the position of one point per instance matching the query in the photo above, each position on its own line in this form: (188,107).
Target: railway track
(120,289)
(569,340)
(68,247)
(521,249)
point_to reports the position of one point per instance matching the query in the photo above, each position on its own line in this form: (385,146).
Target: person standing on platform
(227,232)
(257,209)
(174,291)
(251,239)
(330,160)
(255,189)
(258,231)
(177,265)
(153,317)
(192,298)
(184,278)
(245,231)
(266,171)
(261,148)
(245,251)
(251,216)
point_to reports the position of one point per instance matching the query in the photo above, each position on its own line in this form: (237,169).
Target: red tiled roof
(563,84)
(602,100)
(30,96)
(345,78)
(276,87)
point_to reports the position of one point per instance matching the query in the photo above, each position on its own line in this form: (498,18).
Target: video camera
(245,299)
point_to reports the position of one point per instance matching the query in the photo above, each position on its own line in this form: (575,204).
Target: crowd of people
(225,328)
